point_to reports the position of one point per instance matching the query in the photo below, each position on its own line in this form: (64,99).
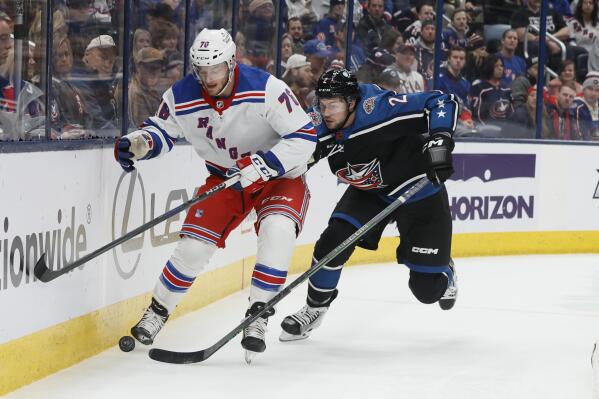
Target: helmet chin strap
(229,79)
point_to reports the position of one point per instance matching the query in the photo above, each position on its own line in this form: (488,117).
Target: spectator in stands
(411,81)
(373,25)
(388,79)
(286,48)
(559,119)
(165,37)
(523,119)
(491,103)
(522,84)
(318,53)
(31,118)
(403,17)
(584,29)
(357,54)
(286,51)
(458,33)
(530,15)
(242,55)
(452,81)
(474,60)
(586,110)
(211,14)
(82,27)
(7,91)
(513,64)
(141,39)
(325,29)
(298,77)
(567,76)
(143,97)
(260,54)
(562,7)
(68,114)
(173,71)
(392,41)
(260,31)
(376,62)
(302,11)
(157,14)
(5,40)
(425,50)
(296,31)
(98,91)
(424,11)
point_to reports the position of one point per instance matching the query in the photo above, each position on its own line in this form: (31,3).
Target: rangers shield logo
(363,176)
(368,105)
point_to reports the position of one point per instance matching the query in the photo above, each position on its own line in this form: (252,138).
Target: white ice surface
(523,328)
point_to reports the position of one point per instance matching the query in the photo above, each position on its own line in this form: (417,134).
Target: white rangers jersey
(261,114)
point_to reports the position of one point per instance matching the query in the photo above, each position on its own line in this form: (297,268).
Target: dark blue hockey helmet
(338,83)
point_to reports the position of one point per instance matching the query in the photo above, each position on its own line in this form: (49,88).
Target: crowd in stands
(488,59)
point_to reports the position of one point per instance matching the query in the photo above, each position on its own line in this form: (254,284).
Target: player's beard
(335,126)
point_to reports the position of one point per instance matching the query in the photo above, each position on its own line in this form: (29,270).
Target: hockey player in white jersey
(241,121)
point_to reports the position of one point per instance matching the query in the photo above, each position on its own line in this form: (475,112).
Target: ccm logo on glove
(437,151)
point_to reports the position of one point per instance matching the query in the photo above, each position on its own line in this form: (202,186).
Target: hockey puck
(126,343)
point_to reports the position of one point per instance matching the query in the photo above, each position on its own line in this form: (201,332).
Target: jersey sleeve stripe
(191,110)
(190,104)
(248,100)
(250,94)
(302,136)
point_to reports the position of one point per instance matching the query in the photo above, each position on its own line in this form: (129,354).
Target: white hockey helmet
(212,47)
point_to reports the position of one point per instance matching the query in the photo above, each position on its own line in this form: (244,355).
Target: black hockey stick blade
(43,273)
(166,356)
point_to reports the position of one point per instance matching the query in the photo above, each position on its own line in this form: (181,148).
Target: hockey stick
(163,355)
(45,274)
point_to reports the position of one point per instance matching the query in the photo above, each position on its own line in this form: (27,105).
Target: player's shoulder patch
(368,105)
(316,118)
(163,112)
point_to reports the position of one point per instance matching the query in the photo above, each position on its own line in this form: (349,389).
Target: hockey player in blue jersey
(381,143)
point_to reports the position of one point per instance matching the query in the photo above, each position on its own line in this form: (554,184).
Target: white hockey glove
(132,147)
(253,171)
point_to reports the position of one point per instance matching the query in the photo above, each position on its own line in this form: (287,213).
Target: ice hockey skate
(300,324)
(150,324)
(451,293)
(253,340)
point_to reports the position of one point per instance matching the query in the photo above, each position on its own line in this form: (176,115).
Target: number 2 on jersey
(286,97)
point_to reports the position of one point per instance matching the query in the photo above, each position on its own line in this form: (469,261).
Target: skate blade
(249,356)
(286,337)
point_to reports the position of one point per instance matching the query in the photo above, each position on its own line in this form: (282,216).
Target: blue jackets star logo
(364,176)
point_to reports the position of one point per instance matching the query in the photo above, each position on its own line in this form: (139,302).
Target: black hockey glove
(437,151)
(123,154)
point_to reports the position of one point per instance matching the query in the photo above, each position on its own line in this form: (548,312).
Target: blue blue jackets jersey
(458,86)
(382,149)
